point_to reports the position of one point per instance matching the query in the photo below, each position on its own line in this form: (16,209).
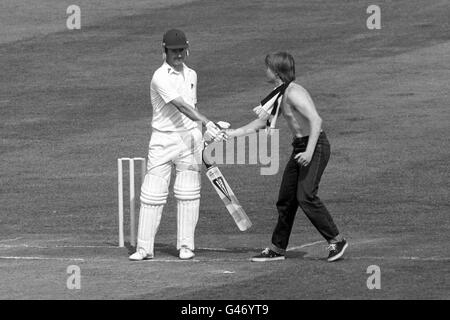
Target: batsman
(177,141)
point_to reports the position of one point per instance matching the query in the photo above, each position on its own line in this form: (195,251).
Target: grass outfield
(71,103)
(22,19)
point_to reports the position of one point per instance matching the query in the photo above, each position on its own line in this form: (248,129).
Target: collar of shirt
(171,70)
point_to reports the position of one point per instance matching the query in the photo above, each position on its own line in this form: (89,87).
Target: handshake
(216,131)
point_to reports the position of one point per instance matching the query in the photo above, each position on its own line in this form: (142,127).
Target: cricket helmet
(175,39)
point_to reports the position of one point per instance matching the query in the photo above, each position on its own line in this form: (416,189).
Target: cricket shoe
(268,255)
(140,255)
(337,250)
(186,253)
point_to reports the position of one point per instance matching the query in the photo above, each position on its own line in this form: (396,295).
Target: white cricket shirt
(166,85)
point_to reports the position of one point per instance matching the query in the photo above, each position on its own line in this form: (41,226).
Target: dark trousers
(299,187)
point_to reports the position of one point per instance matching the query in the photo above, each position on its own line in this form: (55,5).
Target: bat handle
(204,158)
(221,125)
(207,165)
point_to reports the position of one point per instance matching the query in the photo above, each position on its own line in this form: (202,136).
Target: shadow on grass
(296,255)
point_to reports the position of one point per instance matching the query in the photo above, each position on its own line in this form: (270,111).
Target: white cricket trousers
(167,149)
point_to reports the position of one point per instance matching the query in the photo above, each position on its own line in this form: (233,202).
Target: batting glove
(223,124)
(213,132)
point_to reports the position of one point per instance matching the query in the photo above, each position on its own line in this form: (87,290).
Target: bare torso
(297,123)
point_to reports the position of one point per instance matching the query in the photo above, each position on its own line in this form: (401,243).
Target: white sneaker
(186,253)
(140,255)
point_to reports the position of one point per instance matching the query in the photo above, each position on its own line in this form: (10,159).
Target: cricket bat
(227,195)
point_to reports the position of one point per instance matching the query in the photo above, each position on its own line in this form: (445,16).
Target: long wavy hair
(282,64)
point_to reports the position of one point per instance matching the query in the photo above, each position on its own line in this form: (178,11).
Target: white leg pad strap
(187,185)
(154,193)
(154,190)
(187,193)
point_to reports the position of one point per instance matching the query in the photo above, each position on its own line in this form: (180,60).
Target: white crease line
(439,259)
(8,240)
(7,246)
(323,241)
(192,260)
(227,260)
(305,245)
(39,258)
(164,260)
(94,246)
(115,247)
(231,250)
(403,258)
(251,249)
(215,249)
(52,240)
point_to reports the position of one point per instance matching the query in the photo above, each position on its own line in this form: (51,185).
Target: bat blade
(228,197)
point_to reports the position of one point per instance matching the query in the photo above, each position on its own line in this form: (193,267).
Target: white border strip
(8,240)
(191,260)
(9,246)
(40,258)
(402,258)
(305,245)
(250,249)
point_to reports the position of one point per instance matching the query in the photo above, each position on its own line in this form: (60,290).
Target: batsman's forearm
(189,111)
(193,114)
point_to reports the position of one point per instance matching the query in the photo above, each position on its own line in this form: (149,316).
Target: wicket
(132,197)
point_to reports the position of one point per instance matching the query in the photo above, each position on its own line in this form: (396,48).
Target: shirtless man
(311,152)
